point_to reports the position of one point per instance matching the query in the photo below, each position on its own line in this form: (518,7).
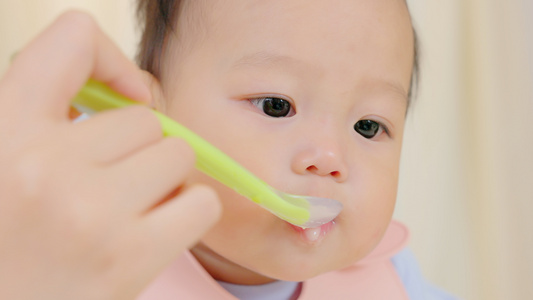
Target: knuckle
(79,20)
(30,174)
(79,30)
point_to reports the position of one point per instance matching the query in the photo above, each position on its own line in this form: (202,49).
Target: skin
(336,62)
(75,221)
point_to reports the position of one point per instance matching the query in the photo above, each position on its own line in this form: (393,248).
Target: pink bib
(373,277)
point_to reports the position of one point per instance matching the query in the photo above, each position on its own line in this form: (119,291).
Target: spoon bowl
(321,210)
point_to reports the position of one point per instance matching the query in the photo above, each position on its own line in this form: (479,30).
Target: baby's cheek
(364,226)
(360,244)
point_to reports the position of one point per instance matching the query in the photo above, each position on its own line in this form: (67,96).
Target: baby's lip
(314,236)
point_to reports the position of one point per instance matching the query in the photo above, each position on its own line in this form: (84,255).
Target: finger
(157,100)
(47,74)
(147,176)
(177,225)
(114,134)
(195,205)
(153,243)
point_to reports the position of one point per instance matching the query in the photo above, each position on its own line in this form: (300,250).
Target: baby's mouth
(314,236)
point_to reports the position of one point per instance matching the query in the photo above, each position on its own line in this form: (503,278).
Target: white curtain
(467,181)
(467,172)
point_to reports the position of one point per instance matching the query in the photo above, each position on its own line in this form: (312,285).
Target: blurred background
(466,186)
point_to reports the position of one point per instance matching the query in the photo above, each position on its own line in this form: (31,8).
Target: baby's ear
(157,102)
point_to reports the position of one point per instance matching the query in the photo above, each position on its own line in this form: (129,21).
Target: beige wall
(20,20)
(467,180)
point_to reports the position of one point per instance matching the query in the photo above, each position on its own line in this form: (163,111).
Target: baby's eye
(368,128)
(272,106)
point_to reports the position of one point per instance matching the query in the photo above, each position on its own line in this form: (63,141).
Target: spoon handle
(96,96)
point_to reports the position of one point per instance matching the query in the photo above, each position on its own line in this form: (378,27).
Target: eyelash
(260,104)
(275,102)
(382,128)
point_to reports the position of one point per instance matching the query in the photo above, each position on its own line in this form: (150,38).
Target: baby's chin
(291,265)
(302,264)
(264,249)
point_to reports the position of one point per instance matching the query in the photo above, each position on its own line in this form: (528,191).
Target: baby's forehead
(202,15)
(197,19)
(283,27)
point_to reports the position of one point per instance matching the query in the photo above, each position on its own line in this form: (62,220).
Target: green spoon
(303,211)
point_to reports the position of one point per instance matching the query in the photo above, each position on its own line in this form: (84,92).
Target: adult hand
(85,211)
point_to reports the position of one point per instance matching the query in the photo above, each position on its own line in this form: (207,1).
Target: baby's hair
(158,18)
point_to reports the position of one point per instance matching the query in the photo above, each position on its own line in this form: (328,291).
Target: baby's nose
(323,158)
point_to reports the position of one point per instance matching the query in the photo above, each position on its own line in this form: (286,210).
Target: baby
(311,96)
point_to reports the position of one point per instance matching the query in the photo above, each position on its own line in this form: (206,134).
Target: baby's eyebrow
(270,59)
(397,89)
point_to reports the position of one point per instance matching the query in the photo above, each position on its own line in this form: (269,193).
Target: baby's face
(310,95)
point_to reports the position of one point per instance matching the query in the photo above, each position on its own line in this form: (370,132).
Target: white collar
(277,290)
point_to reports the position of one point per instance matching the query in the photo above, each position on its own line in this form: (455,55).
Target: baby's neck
(224,270)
